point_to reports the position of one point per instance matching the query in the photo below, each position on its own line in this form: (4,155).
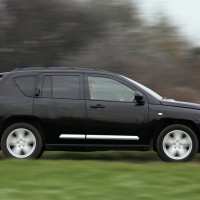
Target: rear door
(113,116)
(60,107)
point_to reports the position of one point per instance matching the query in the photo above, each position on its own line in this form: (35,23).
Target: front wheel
(177,143)
(21,140)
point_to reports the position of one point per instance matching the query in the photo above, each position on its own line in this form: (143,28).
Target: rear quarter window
(26,84)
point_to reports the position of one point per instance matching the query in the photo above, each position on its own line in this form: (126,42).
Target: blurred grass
(98,175)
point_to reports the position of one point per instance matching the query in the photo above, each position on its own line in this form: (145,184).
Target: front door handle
(97,106)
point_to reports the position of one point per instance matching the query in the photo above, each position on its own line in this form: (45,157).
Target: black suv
(87,110)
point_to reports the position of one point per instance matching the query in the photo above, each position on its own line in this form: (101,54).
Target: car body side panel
(13,103)
(60,116)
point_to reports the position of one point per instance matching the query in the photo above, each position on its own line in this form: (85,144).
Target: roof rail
(58,68)
(28,68)
(54,68)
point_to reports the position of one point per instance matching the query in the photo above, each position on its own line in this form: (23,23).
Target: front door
(113,117)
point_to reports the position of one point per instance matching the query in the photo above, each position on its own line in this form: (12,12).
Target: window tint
(61,87)
(65,87)
(108,89)
(26,84)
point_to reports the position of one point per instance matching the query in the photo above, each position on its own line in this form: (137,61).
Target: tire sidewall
(39,145)
(168,129)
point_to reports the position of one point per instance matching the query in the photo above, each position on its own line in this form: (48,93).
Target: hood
(171,102)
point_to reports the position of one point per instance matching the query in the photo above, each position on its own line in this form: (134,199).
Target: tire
(177,143)
(21,140)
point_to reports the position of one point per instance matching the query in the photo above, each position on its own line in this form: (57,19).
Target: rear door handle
(97,106)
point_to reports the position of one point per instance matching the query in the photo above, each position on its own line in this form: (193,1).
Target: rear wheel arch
(29,120)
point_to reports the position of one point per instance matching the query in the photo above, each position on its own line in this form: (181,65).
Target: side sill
(96,147)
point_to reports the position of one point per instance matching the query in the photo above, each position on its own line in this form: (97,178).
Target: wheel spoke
(27,149)
(182,152)
(186,142)
(12,141)
(20,133)
(178,135)
(169,141)
(17,150)
(172,151)
(29,139)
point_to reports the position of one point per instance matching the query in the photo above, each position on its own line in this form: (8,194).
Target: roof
(63,69)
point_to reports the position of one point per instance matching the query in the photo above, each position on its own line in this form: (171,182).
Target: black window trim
(43,85)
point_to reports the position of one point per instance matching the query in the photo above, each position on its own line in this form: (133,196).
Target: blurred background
(154,42)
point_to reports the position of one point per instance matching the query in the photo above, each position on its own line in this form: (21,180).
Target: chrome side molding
(72,136)
(112,137)
(98,137)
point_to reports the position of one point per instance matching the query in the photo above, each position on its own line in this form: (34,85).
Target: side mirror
(139,98)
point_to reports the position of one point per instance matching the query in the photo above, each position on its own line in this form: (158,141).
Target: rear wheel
(21,140)
(177,143)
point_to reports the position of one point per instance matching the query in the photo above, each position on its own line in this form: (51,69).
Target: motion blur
(104,34)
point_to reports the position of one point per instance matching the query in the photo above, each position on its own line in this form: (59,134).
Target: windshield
(157,96)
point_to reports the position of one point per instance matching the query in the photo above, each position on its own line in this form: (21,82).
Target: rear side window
(26,84)
(61,87)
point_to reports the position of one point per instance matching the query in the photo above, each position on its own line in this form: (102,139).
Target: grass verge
(92,176)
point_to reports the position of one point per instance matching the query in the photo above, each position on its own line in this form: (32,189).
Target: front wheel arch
(167,122)
(177,143)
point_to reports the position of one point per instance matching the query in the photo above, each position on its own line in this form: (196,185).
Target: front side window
(102,88)
(61,87)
